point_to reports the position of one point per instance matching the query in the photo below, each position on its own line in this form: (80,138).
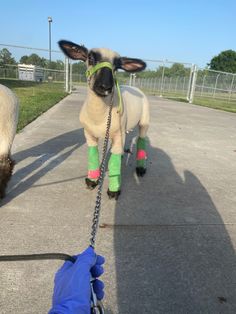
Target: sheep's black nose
(106,87)
(104,82)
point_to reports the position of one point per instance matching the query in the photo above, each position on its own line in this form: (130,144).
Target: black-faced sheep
(102,65)
(8,123)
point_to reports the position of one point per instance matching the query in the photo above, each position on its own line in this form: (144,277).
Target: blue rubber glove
(72,290)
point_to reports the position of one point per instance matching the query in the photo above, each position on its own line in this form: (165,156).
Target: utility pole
(50,38)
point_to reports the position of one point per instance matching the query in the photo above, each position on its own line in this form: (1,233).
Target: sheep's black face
(102,81)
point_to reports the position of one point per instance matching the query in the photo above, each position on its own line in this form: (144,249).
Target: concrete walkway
(169,241)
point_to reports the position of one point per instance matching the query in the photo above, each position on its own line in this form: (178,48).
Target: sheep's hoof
(6,169)
(114,195)
(140,171)
(2,194)
(91,184)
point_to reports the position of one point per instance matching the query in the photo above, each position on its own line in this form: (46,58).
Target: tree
(178,69)
(6,57)
(55,65)
(79,67)
(34,59)
(225,61)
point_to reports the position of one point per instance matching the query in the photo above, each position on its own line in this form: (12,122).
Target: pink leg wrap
(94,174)
(141,154)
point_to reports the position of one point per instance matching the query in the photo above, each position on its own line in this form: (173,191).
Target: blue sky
(184,31)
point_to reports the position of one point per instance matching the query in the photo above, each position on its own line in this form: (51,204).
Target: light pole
(50,35)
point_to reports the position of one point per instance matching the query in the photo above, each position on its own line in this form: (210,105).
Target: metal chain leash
(97,208)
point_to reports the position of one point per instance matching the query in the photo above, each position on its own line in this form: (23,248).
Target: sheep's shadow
(173,253)
(46,156)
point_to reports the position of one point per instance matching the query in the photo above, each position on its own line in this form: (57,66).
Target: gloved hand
(72,290)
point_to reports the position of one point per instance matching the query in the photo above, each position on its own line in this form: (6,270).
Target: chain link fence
(216,85)
(9,71)
(166,79)
(185,81)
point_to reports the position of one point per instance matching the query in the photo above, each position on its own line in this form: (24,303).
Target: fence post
(189,82)
(214,92)
(192,83)
(134,79)
(183,86)
(67,74)
(155,85)
(203,82)
(130,79)
(231,87)
(176,83)
(70,89)
(162,78)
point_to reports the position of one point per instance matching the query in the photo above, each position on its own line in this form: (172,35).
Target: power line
(29,48)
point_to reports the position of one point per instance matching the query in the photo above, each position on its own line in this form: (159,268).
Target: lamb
(102,64)
(9,108)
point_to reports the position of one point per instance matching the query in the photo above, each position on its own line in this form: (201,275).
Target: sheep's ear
(73,50)
(131,64)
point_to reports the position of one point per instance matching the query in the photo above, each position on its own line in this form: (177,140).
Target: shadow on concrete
(46,156)
(173,253)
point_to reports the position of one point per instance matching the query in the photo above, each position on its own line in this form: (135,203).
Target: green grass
(225,105)
(35,98)
(215,103)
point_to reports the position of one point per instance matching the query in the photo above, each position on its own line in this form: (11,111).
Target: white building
(29,72)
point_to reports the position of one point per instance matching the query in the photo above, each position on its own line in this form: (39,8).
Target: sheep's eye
(91,60)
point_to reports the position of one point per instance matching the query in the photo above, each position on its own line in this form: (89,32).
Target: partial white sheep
(9,108)
(94,113)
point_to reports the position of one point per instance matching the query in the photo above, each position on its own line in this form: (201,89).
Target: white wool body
(94,113)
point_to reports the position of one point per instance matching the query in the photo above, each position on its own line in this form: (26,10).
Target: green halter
(99,66)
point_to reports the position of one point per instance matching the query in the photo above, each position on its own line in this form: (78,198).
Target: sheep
(102,64)
(9,108)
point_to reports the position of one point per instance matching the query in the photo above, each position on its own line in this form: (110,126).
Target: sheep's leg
(6,168)
(93,161)
(7,132)
(93,167)
(141,156)
(114,166)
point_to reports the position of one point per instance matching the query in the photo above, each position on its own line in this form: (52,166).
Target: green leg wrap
(114,167)
(93,163)
(141,152)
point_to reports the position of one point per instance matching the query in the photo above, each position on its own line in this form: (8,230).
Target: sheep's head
(101,81)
